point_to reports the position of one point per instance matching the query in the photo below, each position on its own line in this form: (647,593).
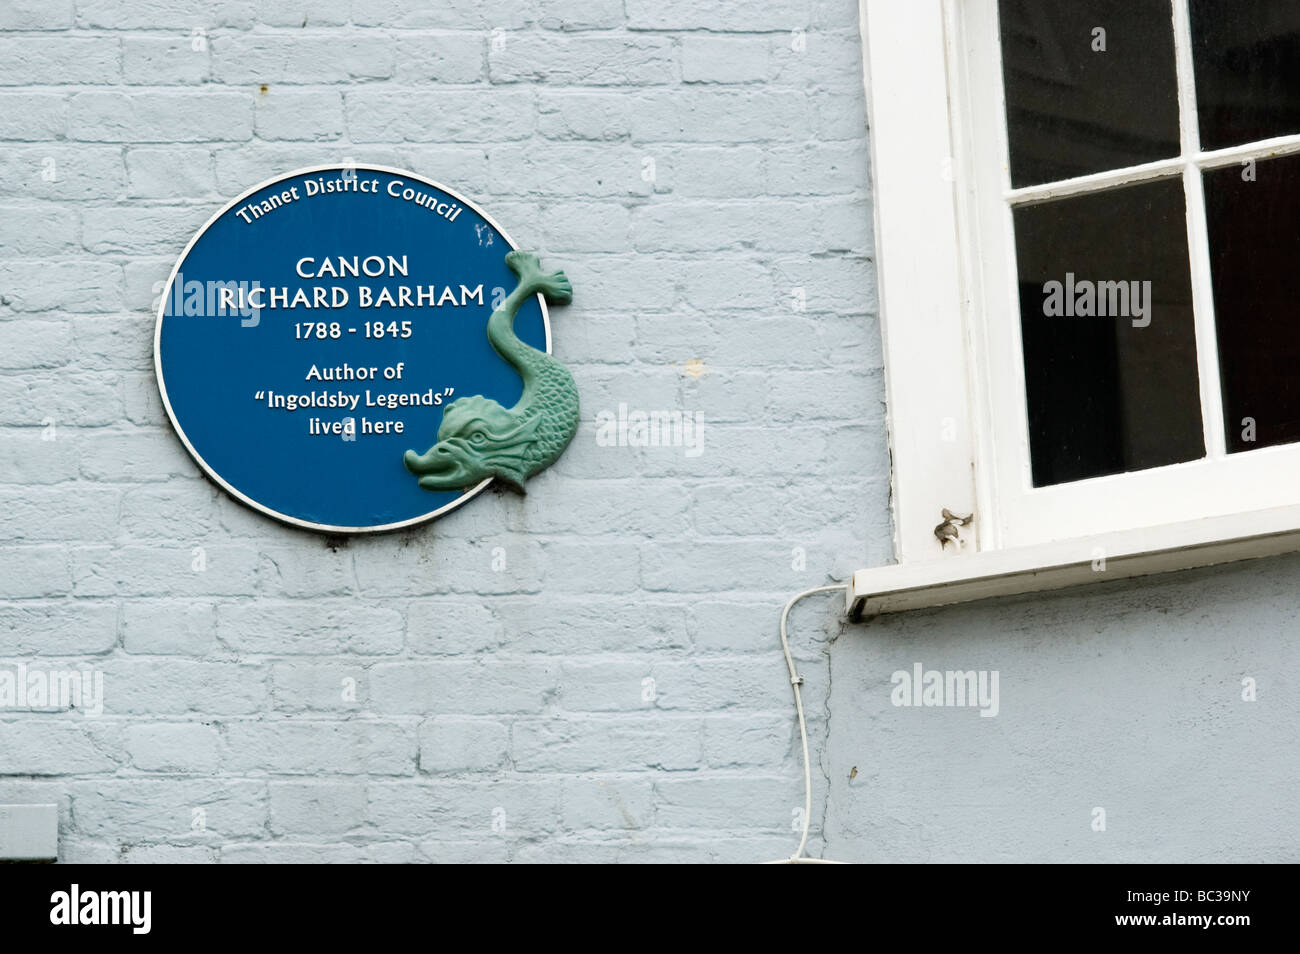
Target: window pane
(1254,220)
(1091,85)
(1247,56)
(1109,341)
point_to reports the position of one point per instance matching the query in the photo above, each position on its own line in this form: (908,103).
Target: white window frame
(950,320)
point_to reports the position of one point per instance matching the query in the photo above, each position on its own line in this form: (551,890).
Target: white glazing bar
(1188,109)
(1198,241)
(1112,178)
(1264,149)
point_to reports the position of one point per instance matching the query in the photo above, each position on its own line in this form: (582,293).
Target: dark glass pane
(1254,220)
(1247,56)
(1109,340)
(1075,109)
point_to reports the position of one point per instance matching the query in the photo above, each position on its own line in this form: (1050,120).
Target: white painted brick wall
(499,714)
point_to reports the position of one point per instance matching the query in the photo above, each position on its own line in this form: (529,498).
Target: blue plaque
(316,329)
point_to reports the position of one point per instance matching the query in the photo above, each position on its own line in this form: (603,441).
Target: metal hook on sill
(948,530)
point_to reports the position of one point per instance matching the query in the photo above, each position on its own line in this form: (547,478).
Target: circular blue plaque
(315,329)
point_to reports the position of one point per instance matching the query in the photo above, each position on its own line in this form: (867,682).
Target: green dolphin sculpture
(479,438)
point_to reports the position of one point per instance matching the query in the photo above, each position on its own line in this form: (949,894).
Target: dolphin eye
(477,438)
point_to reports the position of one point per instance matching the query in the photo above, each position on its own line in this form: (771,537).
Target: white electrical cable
(799,858)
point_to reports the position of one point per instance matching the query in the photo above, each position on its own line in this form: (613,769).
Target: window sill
(1131,553)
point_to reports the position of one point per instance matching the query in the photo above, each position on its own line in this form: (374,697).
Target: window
(1088,220)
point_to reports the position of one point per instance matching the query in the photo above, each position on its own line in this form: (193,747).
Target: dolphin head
(478,438)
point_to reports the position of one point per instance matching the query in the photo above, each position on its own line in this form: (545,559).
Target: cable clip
(796,681)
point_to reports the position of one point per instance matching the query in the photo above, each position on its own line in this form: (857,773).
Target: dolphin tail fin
(554,285)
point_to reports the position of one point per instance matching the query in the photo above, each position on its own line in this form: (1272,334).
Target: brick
(824,168)
(752,564)
(36,15)
(61,171)
(167,855)
(112,342)
(453,744)
(583,61)
(139,454)
(32,117)
(449,15)
(284,853)
(92,399)
(576,624)
(579,14)
(309,627)
(320,809)
(569,169)
(296,114)
(648,741)
(728,802)
(60,628)
(450,627)
(54,61)
(320,13)
(36,344)
(140,230)
(34,571)
(579,114)
(170,172)
(141,400)
(624,503)
(28,456)
(717,59)
(700,114)
(169,627)
(62,513)
(839,114)
(457,566)
(294,571)
(819,58)
(180,810)
(609,685)
(338,686)
(718,172)
(152,512)
(160,116)
(190,568)
(694,226)
(483,809)
(440,58)
(580,566)
(310,748)
(381,116)
(164,14)
(469,851)
(47,746)
(761,15)
(165,60)
(273,59)
(470,688)
(173,747)
(608,803)
(182,687)
(749,741)
(70,286)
